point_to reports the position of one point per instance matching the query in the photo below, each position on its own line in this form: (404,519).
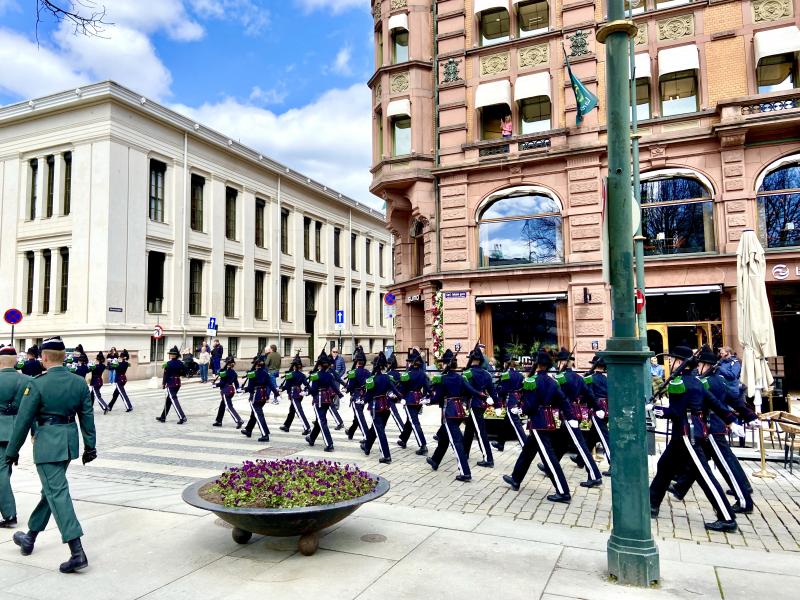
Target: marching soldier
(684,450)
(597,381)
(51,402)
(356,380)
(12,385)
(174,369)
(82,370)
(545,404)
(510,391)
(32,366)
(393,372)
(323,392)
(378,386)
(97,380)
(259,386)
(228,384)
(296,385)
(415,387)
(120,381)
(480,379)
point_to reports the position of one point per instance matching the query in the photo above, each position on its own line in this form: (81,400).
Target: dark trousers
(337,418)
(8,507)
(519,430)
(572,437)
(99,397)
(119,391)
(227,402)
(598,433)
(398,419)
(378,430)
(257,416)
(321,424)
(719,450)
(450,434)
(412,425)
(678,456)
(476,422)
(540,442)
(172,399)
(359,421)
(296,408)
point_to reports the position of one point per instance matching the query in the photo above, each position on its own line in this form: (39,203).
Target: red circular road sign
(640,301)
(158,332)
(389,299)
(12,316)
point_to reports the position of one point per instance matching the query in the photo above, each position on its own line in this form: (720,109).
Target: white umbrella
(756,334)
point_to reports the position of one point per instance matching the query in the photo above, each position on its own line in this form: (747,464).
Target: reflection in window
(670,3)
(494,26)
(679,93)
(533,17)
(492,120)
(776,73)
(779,207)
(638,6)
(642,99)
(521,229)
(417,248)
(534,114)
(399,46)
(677,216)
(401,136)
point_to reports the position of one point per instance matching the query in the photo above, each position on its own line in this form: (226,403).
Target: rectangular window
(157,349)
(380,309)
(379,135)
(380,260)
(306,238)
(284,298)
(399,46)
(261,208)
(776,73)
(67,182)
(198,185)
(259,296)
(233,346)
(31,260)
(195,287)
(48,262)
(337,247)
(230,213)
(51,181)
(533,17)
(369,308)
(638,6)
(379,48)
(495,26)
(158,172)
(679,93)
(64,284)
(492,121)
(401,136)
(642,99)
(262,345)
(284,231)
(368,256)
(230,291)
(287,346)
(353,252)
(155,281)
(534,114)
(34,191)
(318,241)
(353,307)
(337,297)
(197,341)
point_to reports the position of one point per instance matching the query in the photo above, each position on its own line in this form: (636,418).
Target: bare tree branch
(86,16)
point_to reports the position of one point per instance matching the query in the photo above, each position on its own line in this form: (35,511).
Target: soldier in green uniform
(12,385)
(50,404)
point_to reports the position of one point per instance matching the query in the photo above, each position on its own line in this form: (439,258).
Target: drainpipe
(436,192)
(277,262)
(184,233)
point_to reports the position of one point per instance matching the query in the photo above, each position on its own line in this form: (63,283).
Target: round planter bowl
(282,522)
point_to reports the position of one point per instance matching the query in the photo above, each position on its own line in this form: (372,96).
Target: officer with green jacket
(12,384)
(50,404)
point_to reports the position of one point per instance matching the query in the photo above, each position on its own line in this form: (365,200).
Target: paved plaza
(429,537)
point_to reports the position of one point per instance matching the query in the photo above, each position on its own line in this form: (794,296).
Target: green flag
(586,101)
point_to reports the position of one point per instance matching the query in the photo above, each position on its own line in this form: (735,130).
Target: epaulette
(676,386)
(505,376)
(405,377)
(288,376)
(529,384)
(588,379)
(351,374)
(314,377)
(467,374)
(370,383)
(437,379)
(251,374)
(561,378)
(704,381)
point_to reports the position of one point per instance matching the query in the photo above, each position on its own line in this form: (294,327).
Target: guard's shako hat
(544,359)
(174,351)
(379,362)
(563,354)
(681,352)
(297,361)
(8,351)
(323,360)
(707,356)
(359,356)
(475,356)
(54,343)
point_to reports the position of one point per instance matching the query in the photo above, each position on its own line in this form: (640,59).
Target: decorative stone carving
(641,34)
(771,10)
(534,56)
(657,151)
(376,9)
(676,28)
(378,93)
(398,83)
(578,43)
(494,64)
(450,71)
(397,4)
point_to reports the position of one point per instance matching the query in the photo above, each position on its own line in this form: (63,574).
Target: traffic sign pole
(12,335)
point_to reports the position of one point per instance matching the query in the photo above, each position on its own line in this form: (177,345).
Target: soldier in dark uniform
(376,397)
(393,372)
(296,385)
(481,380)
(97,371)
(323,391)
(716,445)
(228,383)
(82,370)
(174,369)
(120,382)
(597,382)
(259,386)
(32,367)
(687,398)
(50,403)
(452,391)
(545,404)
(415,387)
(356,380)
(12,386)
(509,389)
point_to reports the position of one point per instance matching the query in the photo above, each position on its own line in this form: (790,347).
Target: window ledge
(658,257)
(536,266)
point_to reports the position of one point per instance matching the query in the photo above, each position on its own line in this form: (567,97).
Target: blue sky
(285,76)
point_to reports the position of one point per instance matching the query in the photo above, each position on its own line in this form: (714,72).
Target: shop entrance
(784,302)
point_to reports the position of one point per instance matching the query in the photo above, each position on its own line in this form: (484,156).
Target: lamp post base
(633,562)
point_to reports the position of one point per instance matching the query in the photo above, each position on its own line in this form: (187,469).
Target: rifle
(571,356)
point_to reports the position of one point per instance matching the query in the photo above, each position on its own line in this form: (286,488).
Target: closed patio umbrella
(755,330)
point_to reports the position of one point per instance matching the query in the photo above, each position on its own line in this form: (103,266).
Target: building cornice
(403,66)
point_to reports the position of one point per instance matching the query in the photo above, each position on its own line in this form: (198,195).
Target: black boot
(25,541)
(422,451)
(11,522)
(77,559)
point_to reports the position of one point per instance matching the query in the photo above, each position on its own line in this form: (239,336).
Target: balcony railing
(775,106)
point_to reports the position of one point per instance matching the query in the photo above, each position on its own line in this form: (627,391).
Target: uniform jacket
(575,388)
(12,386)
(97,374)
(32,368)
(228,377)
(598,384)
(173,371)
(357,379)
(261,380)
(121,369)
(293,382)
(481,380)
(323,380)
(689,396)
(733,402)
(55,393)
(414,385)
(453,385)
(379,385)
(81,371)
(510,381)
(540,392)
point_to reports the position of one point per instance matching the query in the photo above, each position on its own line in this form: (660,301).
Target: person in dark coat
(174,369)
(378,387)
(121,381)
(32,366)
(97,371)
(295,384)
(216,357)
(415,388)
(323,391)
(480,379)
(228,383)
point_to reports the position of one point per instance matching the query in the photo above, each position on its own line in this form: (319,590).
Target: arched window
(417,235)
(779,207)
(677,214)
(520,228)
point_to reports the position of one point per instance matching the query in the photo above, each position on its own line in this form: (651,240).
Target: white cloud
(335,6)
(328,139)
(274,95)
(149,16)
(254,17)
(341,63)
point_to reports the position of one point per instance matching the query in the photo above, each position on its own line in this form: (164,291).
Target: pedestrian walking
(415,388)
(228,383)
(259,385)
(480,379)
(295,384)
(97,371)
(12,386)
(121,380)
(174,369)
(274,360)
(377,388)
(323,392)
(51,402)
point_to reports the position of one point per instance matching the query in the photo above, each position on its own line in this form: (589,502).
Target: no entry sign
(13,316)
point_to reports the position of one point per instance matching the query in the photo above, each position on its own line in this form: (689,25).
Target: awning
(531,86)
(642,62)
(482,5)
(777,41)
(682,58)
(521,298)
(399,108)
(683,290)
(496,92)
(398,22)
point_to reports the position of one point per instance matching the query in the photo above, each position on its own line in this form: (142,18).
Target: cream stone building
(119,214)
(506,234)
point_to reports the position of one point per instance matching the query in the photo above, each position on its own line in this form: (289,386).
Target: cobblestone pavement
(133,447)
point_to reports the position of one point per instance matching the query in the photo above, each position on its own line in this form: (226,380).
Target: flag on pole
(586,101)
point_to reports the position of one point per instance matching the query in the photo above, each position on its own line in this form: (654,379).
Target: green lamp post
(632,552)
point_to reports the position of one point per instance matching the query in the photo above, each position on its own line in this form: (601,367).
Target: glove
(403,402)
(658,411)
(89,454)
(573,423)
(498,412)
(600,414)
(737,429)
(12,460)
(754,424)
(648,406)
(516,411)
(490,402)
(426,401)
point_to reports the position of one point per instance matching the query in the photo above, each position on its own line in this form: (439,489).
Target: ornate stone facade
(534,56)
(378,93)
(675,28)
(641,34)
(398,4)
(494,64)
(398,83)
(578,43)
(771,10)
(450,72)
